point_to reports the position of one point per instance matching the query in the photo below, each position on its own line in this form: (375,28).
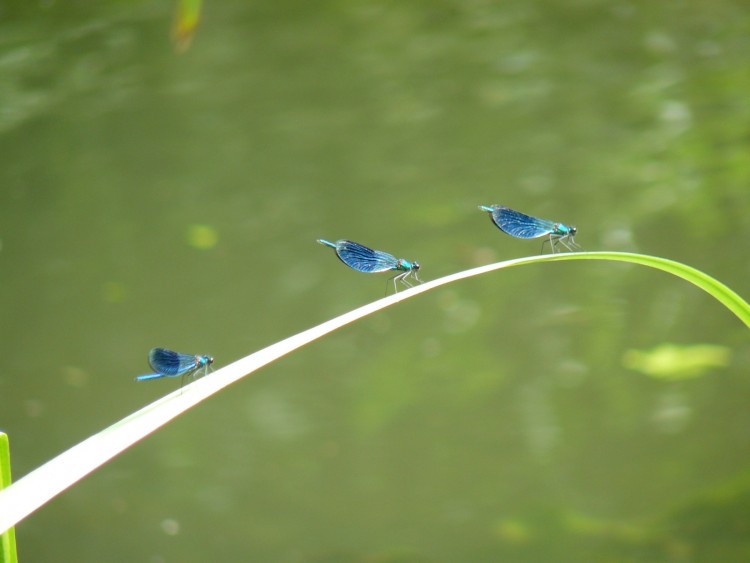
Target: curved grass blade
(44,483)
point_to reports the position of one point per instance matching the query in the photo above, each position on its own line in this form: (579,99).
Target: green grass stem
(44,483)
(8,537)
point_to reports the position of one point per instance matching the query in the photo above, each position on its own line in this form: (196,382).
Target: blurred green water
(150,198)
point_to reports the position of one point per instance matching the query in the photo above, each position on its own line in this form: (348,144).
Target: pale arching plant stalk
(44,483)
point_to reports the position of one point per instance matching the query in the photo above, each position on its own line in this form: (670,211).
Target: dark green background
(492,420)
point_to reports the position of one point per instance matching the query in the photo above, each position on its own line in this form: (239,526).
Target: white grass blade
(44,483)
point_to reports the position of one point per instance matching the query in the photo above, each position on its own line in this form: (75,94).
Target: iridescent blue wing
(171,363)
(364,259)
(519,224)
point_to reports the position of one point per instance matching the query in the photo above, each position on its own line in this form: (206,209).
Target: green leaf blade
(44,483)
